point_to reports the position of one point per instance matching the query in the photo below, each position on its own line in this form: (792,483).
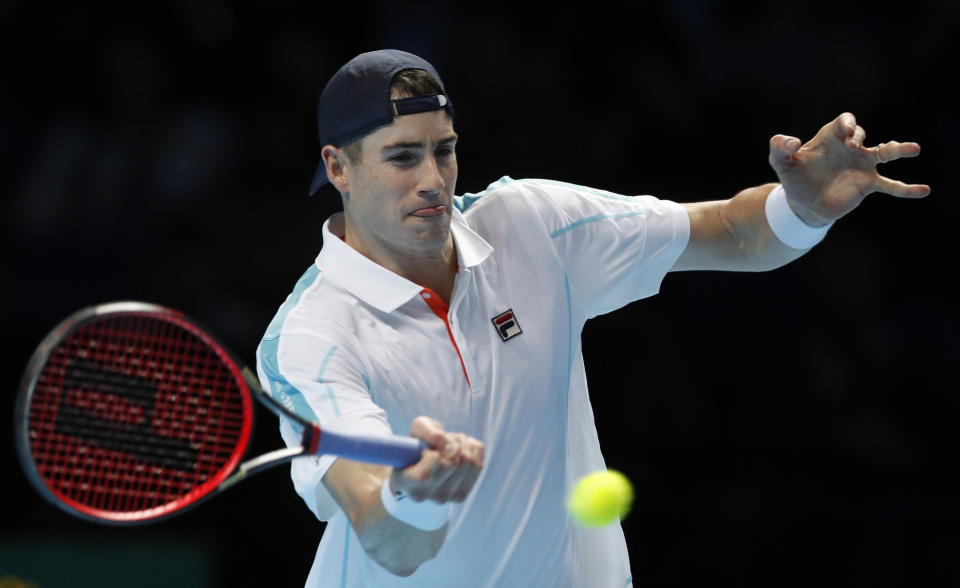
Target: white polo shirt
(361,349)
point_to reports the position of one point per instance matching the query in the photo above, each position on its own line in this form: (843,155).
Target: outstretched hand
(831,174)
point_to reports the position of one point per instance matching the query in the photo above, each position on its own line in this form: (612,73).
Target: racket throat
(265,461)
(311,439)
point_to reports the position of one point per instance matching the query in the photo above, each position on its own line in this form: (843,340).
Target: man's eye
(403,158)
(444,152)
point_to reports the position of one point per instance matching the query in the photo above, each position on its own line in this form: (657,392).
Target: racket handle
(395,451)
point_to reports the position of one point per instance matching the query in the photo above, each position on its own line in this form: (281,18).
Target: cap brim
(319,179)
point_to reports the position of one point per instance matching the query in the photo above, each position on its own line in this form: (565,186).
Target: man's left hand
(831,174)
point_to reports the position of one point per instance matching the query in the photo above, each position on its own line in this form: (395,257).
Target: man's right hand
(447,471)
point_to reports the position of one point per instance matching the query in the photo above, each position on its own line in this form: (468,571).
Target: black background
(781,428)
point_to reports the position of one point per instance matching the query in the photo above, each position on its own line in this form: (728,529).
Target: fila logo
(506,325)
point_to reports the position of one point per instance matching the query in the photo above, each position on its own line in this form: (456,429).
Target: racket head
(129,412)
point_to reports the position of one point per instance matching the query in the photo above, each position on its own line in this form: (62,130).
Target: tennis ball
(600,498)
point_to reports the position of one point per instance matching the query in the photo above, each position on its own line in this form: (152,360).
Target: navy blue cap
(357,101)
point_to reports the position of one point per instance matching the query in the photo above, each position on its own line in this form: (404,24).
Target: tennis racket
(129,413)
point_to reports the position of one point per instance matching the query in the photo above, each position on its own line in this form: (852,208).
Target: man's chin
(433,237)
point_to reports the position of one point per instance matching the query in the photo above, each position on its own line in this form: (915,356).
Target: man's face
(401,193)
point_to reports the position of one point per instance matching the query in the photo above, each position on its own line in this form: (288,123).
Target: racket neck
(311,439)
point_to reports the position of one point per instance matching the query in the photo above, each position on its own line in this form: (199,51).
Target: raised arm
(823,180)
(446,473)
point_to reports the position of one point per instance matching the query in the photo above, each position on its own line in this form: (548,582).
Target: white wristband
(787,226)
(426,515)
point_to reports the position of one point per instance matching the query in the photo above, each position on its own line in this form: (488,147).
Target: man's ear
(336,162)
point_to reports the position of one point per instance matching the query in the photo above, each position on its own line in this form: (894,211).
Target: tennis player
(458,319)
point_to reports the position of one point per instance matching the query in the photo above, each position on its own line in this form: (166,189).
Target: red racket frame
(28,436)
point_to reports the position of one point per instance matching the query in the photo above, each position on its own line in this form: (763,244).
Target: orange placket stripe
(439,308)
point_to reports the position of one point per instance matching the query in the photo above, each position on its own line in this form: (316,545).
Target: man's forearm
(734,235)
(746,219)
(395,545)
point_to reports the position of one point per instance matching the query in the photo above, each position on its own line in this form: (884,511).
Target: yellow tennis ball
(600,498)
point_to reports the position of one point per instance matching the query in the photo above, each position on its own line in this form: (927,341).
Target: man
(458,318)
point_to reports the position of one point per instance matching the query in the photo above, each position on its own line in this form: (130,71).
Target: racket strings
(133,414)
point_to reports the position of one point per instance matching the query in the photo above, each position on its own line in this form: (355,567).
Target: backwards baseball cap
(356,100)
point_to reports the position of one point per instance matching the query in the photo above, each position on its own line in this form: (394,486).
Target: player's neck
(430,268)
(436,272)
(439,279)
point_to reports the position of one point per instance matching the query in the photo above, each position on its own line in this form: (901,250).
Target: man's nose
(431,181)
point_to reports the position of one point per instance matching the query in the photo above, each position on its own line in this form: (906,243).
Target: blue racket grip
(395,451)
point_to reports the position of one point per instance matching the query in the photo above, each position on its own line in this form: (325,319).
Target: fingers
(429,430)
(855,141)
(783,146)
(464,470)
(836,162)
(459,468)
(451,447)
(887,152)
(461,448)
(843,126)
(444,477)
(446,472)
(900,189)
(890,151)
(782,149)
(846,129)
(460,486)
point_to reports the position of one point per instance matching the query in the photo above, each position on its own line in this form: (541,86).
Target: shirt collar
(380,287)
(472,249)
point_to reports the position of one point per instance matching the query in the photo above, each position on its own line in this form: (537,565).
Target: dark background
(783,429)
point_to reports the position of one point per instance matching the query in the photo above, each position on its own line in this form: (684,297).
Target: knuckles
(448,470)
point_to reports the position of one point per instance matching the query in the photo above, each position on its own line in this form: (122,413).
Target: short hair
(408,83)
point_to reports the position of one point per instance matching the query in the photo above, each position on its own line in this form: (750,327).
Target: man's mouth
(430,211)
